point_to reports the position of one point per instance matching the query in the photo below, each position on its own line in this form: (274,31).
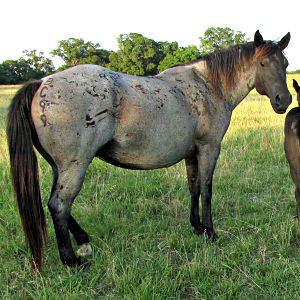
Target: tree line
(136,55)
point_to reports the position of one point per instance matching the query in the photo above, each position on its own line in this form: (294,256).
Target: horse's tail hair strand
(24,170)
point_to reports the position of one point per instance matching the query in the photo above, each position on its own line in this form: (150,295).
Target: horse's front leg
(207,158)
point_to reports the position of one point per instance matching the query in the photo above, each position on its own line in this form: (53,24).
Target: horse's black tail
(24,170)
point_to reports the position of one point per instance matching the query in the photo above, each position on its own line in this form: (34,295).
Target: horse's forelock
(265,50)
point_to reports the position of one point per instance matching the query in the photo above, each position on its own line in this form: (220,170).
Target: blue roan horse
(132,122)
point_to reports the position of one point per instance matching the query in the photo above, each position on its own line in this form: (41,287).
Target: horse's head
(271,71)
(297,89)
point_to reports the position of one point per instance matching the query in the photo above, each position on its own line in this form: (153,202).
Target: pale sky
(39,24)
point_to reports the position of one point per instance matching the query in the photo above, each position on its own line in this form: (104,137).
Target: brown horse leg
(207,158)
(69,183)
(297,195)
(194,187)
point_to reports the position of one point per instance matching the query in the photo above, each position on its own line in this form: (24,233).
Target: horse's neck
(245,82)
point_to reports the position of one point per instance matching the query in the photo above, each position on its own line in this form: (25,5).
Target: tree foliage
(220,38)
(38,62)
(137,55)
(77,52)
(15,71)
(31,66)
(180,56)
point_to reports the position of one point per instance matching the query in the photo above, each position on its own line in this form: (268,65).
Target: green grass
(144,246)
(6,93)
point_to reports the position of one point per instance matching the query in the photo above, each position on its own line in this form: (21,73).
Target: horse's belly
(147,154)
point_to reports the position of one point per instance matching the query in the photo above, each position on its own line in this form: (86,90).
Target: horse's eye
(262,64)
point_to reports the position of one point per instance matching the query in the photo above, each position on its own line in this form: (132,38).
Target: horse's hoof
(85,266)
(212,236)
(84,250)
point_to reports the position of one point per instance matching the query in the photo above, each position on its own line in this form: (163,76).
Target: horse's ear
(258,39)
(282,44)
(296,86)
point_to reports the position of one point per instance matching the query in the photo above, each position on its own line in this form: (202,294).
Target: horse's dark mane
(224,65)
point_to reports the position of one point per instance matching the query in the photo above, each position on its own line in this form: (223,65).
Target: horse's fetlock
(195,221)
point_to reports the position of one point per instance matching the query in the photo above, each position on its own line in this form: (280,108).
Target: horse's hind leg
(68,184)
(81,237)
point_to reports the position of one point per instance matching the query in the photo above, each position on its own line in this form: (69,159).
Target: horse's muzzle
(281,103)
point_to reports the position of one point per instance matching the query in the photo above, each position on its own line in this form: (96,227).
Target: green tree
(31,65)
(76,52)
(166,48)
(219,38)
(16,71)
(179,56)
(38,62)
(138,55)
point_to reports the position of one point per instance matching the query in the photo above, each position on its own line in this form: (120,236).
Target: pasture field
(138,221)
(6,93)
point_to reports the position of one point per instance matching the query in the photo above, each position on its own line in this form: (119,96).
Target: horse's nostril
(277,99)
